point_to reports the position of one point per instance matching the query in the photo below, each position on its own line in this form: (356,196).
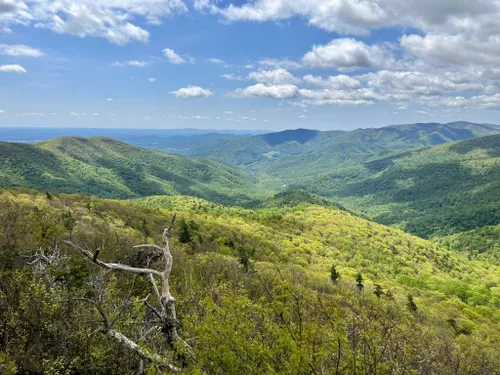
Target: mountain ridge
(110,168)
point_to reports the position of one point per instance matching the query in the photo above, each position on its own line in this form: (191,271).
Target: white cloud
(347,54)
(359,17)
(133,63)
(339,82)
(407,85)
(458,50)
(273,91)
(228,112)
(302,117)
(109,19)
(109,100)
(152,79)
(173,57)
(278,76)
(1,111)
(73,114)
(95,114)
(146,118)
(12,68)
(276,63)
(216,61)
(192,92)
(19,50)
(343,16)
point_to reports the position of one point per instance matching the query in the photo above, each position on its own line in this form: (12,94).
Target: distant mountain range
(322,145)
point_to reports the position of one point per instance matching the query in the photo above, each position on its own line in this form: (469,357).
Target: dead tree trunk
(165,309)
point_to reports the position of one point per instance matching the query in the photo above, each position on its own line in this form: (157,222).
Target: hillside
(430,192)
(109,168)
(482,243)
(253,290)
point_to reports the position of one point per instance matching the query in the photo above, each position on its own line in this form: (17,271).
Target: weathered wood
(166,302)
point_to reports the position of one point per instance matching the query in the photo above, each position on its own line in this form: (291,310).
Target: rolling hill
(109,168)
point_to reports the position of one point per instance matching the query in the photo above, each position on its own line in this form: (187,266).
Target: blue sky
(264,64)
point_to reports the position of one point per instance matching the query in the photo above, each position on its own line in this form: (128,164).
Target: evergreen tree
(334,275)
(184,234)
(411,304)
(359,282)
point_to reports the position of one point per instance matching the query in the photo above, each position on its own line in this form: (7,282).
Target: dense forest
(304,289)
(109,168)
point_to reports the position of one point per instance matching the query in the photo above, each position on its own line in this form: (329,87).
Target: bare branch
(155,288)
(94,259)
(113,266)
(125,341)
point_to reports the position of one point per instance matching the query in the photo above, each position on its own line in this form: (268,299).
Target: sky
(241,64)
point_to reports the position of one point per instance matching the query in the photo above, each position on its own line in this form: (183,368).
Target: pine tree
(334,275)
(359,282)
(411,304)
(184,235)
(378,291)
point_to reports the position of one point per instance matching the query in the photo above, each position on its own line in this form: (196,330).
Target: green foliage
(280,315)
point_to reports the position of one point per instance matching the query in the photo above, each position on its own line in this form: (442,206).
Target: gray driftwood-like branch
(166,302)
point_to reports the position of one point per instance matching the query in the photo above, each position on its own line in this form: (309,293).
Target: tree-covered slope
(110,168)
(304,151)
(429,192)
(481,243)
(253,289)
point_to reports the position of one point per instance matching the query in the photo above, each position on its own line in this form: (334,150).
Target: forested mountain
(301,147)
(430,192)
(110,168)
(305,289)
